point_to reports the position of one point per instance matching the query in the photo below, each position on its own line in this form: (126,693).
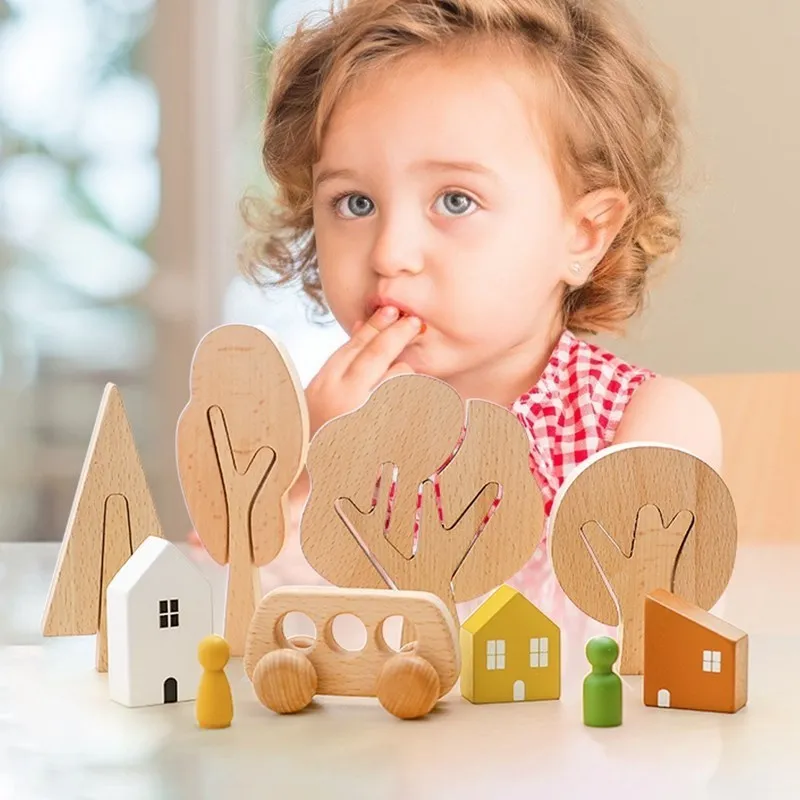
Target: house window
(539,652)
(168,613)
(496,654)
(712,661)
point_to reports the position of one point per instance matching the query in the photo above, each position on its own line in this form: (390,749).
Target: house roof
(151,550)
(494,604)
(697,615)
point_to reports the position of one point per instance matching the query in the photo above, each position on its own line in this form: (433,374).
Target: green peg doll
(602,687)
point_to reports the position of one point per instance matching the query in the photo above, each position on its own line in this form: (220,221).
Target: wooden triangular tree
(112,514)
(241,445)
(635,518)
(457,511)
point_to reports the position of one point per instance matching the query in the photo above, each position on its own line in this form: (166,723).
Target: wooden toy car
(287,672)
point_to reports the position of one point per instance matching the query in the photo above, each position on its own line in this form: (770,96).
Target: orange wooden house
(692,659)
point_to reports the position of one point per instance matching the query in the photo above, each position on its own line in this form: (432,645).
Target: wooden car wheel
(285,681)
(408,686)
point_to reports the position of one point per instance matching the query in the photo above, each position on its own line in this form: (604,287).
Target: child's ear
(596,220)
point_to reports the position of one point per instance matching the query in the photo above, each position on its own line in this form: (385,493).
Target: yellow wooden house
(510,651)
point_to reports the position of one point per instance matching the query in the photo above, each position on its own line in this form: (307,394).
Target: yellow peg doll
(214,704)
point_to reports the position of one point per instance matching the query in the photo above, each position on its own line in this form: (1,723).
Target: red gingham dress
(572,412)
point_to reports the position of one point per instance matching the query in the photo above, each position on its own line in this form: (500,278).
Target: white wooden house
(159,608)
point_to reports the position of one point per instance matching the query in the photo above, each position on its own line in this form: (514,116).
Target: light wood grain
(760,419)
(284,681)
(414,423)
(355,673)
(244,587)
(241,444)
(496,448)
(112,514)
(117,549)
(408,686)
(640,517)
(396,426)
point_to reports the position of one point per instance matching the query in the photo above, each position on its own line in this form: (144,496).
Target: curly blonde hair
(614,125)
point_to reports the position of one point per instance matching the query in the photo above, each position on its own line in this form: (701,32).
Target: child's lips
(422,324)
(403,311)
(378,301)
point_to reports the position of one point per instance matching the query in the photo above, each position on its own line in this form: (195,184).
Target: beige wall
(729,301)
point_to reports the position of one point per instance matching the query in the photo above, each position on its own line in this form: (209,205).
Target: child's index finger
(370,328)
(377,356)
(362,336)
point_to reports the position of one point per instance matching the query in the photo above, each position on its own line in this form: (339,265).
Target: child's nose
(397,248)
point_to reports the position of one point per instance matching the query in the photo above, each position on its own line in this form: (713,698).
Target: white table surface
(61,737)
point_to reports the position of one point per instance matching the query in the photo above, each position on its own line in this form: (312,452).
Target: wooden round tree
(635,518)
(456,511)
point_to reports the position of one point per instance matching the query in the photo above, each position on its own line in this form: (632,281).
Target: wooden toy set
(418,501)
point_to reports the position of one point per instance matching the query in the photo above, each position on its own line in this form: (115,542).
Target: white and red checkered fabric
(574,409)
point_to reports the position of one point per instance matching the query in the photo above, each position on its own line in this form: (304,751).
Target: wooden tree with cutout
(112,514)
(241,444)
(635,518)
(410,426)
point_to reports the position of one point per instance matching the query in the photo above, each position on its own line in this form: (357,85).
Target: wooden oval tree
(635,518)
(241,444)
(481,528)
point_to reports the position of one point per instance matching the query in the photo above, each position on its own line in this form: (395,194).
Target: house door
(519,690)
(663,698)
(170,690)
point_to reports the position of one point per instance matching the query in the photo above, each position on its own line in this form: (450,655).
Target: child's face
(446,205)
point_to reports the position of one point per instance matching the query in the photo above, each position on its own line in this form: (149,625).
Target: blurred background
(129,130)
(128,133)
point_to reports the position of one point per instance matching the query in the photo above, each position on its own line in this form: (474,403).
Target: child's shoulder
(670,411)
(657,408)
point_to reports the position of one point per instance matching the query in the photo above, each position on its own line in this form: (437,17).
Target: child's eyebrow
(418,166)
(330,174)
(455,166)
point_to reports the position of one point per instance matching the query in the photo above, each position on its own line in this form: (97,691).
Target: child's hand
(358,366)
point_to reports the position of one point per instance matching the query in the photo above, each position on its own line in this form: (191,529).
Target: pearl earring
(576,268)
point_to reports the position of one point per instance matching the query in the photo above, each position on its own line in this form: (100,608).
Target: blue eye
(456,204)
(356,205)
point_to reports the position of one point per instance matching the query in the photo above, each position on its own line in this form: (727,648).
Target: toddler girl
(469,186)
